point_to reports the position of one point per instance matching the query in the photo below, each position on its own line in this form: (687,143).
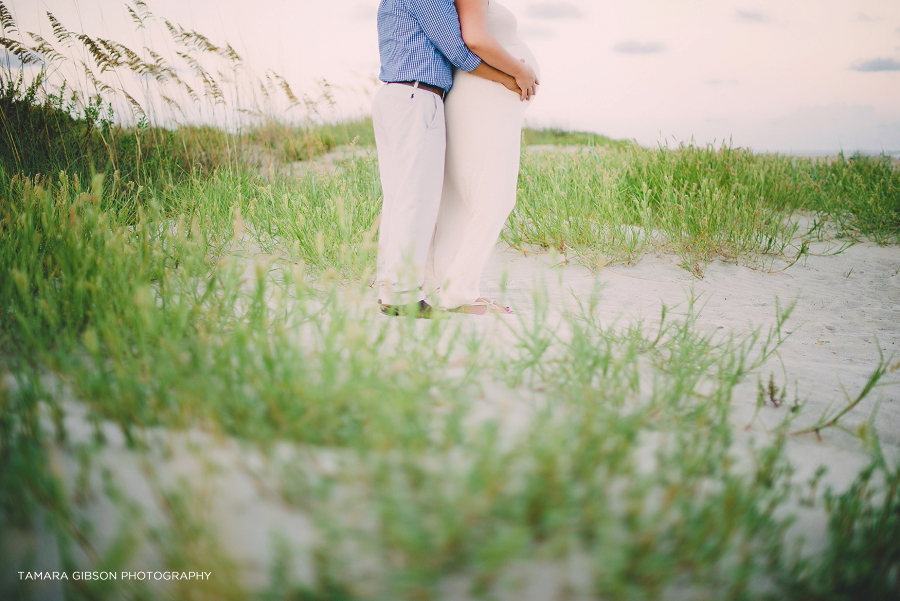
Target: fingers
(526,90)
(523,91)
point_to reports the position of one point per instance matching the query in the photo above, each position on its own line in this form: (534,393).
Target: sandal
(483,306)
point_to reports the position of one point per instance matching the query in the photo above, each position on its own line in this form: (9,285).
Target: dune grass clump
(43,133)
(289,143)
(861,194)
(699,203)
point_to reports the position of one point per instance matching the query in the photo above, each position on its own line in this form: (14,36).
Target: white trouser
(410,138)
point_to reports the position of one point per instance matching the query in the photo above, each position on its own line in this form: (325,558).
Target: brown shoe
(420,309)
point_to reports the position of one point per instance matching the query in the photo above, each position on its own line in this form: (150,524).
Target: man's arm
(488,72)
(440,22)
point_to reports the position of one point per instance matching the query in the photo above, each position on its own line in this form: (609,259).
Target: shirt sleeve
(440,22)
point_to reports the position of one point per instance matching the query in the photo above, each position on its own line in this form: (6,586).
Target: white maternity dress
(484,129)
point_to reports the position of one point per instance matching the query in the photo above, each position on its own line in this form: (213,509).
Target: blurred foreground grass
(153,280)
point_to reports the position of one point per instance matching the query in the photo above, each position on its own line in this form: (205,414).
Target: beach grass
(556,136)
(155,282)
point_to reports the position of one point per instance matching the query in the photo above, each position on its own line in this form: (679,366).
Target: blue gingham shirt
(420,40)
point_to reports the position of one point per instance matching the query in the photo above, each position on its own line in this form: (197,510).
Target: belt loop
(416,83)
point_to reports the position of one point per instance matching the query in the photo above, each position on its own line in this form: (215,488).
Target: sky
(772,75)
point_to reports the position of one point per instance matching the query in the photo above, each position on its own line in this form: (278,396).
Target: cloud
(876,64)
(752,16)
(867,18)
(721,82)
(554,10)
(634,47)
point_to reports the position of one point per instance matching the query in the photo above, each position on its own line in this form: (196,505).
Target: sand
(847,311)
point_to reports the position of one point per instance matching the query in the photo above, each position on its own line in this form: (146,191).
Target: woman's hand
(526,81)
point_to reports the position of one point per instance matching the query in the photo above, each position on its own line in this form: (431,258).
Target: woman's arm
(473,25)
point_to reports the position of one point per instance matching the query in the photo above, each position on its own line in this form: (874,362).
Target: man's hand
(509,82)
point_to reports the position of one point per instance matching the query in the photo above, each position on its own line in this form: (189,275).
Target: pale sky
(778,75)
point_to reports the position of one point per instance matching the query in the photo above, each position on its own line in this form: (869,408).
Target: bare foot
(483,306)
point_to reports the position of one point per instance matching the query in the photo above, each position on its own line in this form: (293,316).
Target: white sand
(847,309)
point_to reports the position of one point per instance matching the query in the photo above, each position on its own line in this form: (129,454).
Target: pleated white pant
(410,136)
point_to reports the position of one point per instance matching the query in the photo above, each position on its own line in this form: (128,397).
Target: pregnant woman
(484,128)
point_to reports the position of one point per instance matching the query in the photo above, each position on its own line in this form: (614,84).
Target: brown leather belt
(424,86)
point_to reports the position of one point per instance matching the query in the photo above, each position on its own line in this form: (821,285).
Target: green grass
(563,137)
(152,279)
(699,203)
(290,143)
(860,194)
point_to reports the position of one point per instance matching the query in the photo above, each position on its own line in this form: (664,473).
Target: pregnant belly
(520,51)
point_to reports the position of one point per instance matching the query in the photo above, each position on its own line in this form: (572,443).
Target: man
(419,41)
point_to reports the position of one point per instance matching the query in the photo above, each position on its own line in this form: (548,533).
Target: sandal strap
(488,304)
